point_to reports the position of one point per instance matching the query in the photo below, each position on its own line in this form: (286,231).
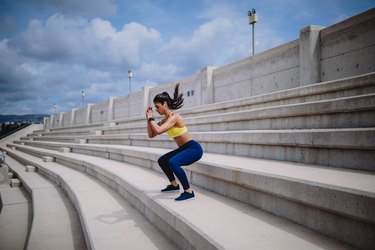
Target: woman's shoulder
(177,116)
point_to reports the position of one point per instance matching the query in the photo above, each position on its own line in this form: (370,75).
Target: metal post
(83,98)
(253,39)
(130,85)
(253,18)
(130,75)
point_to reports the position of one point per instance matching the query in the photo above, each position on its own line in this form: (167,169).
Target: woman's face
(161,108)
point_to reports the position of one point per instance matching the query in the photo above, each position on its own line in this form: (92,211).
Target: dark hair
(175,103)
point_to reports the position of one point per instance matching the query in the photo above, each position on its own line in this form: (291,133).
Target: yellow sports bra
(176,131)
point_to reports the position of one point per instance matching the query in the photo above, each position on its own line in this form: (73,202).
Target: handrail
(14,131)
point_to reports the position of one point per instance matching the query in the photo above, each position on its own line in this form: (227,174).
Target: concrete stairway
(192,224)
(108,221)
(55,222)
(15,217)
(297,130)
(256,153)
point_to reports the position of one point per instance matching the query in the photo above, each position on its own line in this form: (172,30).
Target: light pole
(130,75)
(54,106)
(83,98)
(253,18)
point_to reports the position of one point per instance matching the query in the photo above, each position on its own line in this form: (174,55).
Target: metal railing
(14,131)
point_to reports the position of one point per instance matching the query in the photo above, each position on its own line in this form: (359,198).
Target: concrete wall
(83,115)
(320,54)
(133,105)
(348,48)
(270,71)
(68,118)
(99,112)
(190,86)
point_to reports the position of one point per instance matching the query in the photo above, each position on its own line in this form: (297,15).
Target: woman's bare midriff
(182,139)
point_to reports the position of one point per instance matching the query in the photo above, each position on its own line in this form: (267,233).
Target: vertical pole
(129,97)
(253,39)
(83,98)
(130,75)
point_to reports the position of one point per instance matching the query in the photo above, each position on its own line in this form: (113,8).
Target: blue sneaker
(171,188)
(185,196)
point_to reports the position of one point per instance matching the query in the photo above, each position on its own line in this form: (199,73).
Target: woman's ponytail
(178,99)
(175,103)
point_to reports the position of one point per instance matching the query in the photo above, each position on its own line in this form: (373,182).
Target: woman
(188,151)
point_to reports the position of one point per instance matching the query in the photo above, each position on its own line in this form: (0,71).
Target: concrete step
(96,131)
(291,191)
(192,224)
(15,217)
(108,221)
(55,223)
(349,112)
(90,126)
(344,148)
(347,87)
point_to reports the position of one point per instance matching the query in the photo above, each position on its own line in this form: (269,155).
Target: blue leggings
(185,155)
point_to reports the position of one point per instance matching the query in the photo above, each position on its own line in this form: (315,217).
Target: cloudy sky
(51,50)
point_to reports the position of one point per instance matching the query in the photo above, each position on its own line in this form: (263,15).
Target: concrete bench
(15,217)
(346,87)
(55,222)
(353,112)
(349,112)
(267,185)
(344,148)
(191,224)
(75,128)
(108,221)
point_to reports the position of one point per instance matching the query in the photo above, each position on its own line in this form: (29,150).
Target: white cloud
(94,42)
(203,48)
(52,61)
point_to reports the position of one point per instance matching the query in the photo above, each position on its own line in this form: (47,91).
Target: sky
(52,50)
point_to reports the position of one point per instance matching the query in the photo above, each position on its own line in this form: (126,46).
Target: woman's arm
(157,130)
(150,132)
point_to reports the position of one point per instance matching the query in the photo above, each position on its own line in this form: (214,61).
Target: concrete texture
(30,168)
(15,217)
(48,159)
(347,48)
(107,220)
(4,175)
(193,218)
(350,148)
(55,222)
(322,191)
(14,182)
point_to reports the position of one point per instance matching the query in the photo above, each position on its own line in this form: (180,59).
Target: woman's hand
(149,113)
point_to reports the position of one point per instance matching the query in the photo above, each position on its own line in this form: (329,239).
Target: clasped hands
(149,113)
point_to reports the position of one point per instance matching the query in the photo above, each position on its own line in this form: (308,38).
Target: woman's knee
(173,163)
(162,161)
